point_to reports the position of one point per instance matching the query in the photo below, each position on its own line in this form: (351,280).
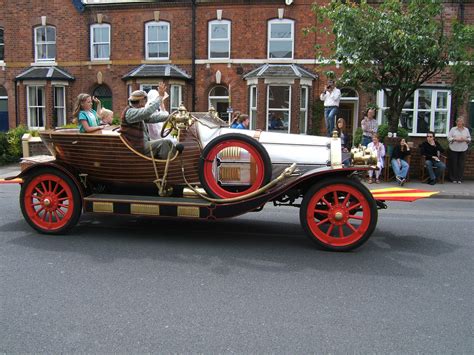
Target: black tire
(50,201)
(261,163)
(339,223)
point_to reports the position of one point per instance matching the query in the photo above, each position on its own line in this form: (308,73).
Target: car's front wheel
(338,214)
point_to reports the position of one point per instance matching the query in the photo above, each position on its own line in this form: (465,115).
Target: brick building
(241,55)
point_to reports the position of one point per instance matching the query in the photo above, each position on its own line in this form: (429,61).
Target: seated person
(345,141)
(276,122)
(106,116)
(399,164)
(379,148)
(235,119)
(244,121)
(154,129)
(136,115)
(432,150)
(85,116)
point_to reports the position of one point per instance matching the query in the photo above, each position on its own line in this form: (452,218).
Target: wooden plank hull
(105,157)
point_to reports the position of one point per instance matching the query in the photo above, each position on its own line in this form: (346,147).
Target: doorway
(4,126)
(219,99)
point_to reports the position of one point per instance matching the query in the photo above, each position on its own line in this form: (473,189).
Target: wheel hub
(50,202)
(338,215)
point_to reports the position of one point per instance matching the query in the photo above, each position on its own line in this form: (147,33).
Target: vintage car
(215,172)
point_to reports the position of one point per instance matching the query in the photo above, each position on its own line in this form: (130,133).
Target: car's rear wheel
(233,165)
(338,214)
(50,201)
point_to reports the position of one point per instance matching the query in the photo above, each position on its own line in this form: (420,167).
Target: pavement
(446,190)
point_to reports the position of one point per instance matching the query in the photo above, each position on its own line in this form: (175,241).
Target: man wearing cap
(136,115)
(331,97)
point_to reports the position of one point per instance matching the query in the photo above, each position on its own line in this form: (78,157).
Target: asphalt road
(252,284)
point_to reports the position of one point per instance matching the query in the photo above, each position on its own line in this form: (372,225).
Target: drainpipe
(461,10)
(193,44)
(16,103)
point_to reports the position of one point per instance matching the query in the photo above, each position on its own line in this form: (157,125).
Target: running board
(148,206)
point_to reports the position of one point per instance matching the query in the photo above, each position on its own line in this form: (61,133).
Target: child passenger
(106,116)
(86,116)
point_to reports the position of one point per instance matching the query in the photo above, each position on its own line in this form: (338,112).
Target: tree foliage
(395,46)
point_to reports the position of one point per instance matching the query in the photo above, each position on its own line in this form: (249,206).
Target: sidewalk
(446,190)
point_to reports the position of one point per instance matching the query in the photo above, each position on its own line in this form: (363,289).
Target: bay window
(428,109)
(278,108)
(35,106)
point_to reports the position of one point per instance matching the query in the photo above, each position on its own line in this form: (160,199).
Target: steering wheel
(168,126)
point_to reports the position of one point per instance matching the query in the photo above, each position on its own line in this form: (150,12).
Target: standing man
(331,97)
(136,115)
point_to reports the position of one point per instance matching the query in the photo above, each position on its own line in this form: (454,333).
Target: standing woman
(379,148)
(87,118)
(458,138)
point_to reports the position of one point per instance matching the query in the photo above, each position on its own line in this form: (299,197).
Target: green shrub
(14,142)
(116,121)
(357,137)
(383,132)
(4,157)
(317,118)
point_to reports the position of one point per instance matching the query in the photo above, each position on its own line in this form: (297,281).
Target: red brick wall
(249,41)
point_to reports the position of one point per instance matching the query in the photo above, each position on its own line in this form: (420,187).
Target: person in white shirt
(331,97)
(459,139)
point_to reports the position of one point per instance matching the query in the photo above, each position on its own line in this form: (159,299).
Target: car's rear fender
(69,171)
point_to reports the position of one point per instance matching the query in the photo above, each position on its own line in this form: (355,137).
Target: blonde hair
(78,105)
(106,112)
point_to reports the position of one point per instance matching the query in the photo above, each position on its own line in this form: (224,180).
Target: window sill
(156,61)
(44,64)
(100,62)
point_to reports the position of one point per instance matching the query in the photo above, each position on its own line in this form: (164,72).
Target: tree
(395,46)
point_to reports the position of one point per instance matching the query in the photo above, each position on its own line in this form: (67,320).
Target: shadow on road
(225,246)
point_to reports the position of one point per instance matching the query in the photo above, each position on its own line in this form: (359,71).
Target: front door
(4,126)
(221,108)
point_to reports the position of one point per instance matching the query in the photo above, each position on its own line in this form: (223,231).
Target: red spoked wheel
(338,214)
(50,202)
(233,165)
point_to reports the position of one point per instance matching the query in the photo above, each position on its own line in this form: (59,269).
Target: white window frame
(172,98)
(304,109)
(92,43)
(292,39)
(278,109)
(415,110)
(45,43)
(211,40)
(58,107)
(36,107)
(253,106)
(148,42)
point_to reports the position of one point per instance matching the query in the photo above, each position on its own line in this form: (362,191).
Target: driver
(136,115)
